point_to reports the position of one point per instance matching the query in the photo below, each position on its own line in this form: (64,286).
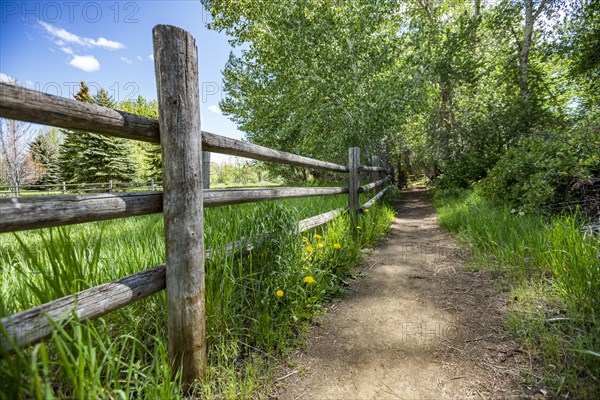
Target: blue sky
(52,45)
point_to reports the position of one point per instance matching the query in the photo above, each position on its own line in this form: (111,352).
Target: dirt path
(417,327)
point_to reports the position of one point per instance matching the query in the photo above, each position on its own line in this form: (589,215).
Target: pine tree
(91,158)
(44,151)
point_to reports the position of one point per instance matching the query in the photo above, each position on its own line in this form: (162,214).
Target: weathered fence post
(176,66)
(353,180)
(205,170)
(110,186)
(152,184)
(375,162)
(64,188)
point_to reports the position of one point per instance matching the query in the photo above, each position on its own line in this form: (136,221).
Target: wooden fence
(64,188)
(181,201)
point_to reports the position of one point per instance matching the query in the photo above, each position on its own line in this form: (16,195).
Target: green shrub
(542,169)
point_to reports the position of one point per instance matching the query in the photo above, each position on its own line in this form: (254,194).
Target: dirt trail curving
(419,326)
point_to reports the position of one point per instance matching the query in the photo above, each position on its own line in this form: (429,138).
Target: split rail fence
(181,201)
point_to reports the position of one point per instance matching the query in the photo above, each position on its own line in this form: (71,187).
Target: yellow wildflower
(309,249)
(309,279)
(279,293)
(319,245)
(337,246)
(358,227)
(317,236)
(304,239)
(367,210)
(309,258)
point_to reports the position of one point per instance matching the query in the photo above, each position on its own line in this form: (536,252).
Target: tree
(44,150)
(17,166)
(90,158)
(148,155)
(316,77)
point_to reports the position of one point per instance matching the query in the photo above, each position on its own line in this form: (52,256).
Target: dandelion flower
(359,227)
(279,293)
(304,239)
(319,245)
(521,213)
(309,249)
(367,210)
(309,279)
(317,236)
(337,246)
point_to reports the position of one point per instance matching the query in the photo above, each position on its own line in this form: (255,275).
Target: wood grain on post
(205,170)
(176,66)
(353,179)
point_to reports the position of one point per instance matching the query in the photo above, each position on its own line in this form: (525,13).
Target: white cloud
(67,50)
(125,59)
(139,58)
(85,63)
(107,44)
(214,108)
(151,57)
(63,36)
(7,78)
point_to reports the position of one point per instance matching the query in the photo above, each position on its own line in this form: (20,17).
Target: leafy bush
(542,169)
(467,169)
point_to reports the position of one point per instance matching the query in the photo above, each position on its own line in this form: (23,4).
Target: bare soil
(418,326)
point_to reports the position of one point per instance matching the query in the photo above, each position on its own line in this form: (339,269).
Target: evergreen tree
(44,151)
(90,158)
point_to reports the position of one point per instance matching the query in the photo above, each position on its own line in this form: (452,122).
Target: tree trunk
(524,51)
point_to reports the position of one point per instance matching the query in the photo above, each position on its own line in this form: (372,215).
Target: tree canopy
(448,86)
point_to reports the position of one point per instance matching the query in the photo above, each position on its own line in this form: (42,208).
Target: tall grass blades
(575,262)
(554,269)
(258,304)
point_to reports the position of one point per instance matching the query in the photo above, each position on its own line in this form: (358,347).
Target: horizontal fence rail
(367,168)
(221,144)
(23,213)
(17,102)
(32,106)
(377,197)
(33,325)
(373,185)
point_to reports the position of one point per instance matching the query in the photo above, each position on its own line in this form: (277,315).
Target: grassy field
(553,271)
(258,307)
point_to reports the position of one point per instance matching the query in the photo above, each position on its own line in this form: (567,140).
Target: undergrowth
(553,269)
(258,306)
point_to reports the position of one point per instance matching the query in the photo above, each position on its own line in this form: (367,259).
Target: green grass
(553,269)
(124,354)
